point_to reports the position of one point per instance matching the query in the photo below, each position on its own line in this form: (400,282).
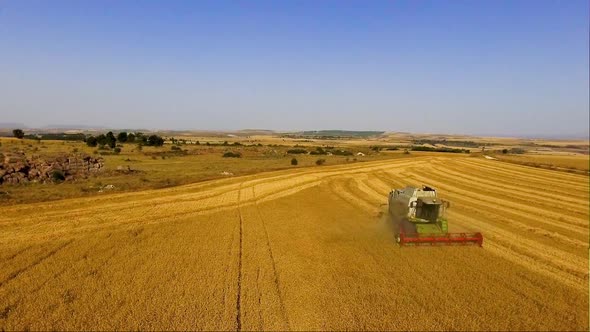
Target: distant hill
(341,133)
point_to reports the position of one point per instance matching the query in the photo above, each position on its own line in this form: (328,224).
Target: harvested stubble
(303,249)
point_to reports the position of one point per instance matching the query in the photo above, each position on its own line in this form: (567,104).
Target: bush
(342,153)
(504,151)
(230,154)
(111,140)
(294,162)
(320,162)
(517,150)
(117,150)
(122,137)
(130,138)
(297,151)
(318,151)
(175,148)
(91,141)
(58,176)
(18,133)
(155,140)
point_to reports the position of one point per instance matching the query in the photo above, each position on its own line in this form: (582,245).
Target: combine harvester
(421,219)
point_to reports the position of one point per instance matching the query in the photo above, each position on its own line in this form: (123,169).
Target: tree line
(109,139)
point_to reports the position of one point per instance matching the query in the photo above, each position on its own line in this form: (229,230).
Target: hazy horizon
(473,68)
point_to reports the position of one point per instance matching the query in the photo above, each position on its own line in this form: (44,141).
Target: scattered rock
(17,168)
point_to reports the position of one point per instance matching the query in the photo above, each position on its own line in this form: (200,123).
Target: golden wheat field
(303,249)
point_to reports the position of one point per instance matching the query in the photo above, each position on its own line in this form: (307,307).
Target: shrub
(18,133)
(175,148)
(58,176)
(111,140)
(74,150)
(296,151)
(318,151)
(155,140)
(91,141)
(320,162)
(504,151)
(406,151)
(294,162)
(130,138)
(122,137)
(342,153)
(237,143)
(117,150)
(517,150)
(230,154)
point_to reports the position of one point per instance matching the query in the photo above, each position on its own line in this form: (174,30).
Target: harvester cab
(421,217)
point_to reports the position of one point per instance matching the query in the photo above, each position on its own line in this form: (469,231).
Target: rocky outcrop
(16,167)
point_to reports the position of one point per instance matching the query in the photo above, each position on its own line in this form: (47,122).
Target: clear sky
(474,67)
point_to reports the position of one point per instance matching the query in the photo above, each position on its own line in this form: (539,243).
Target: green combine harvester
(420,215)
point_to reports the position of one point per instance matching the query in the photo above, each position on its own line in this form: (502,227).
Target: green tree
(122,137)
(101,140)
(91,141)
(294,162)
(18,133)
(155,140)
(111,140)
(130,138)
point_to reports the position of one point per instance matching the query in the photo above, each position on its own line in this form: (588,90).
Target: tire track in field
(36,262)
(240,255)
(277,284)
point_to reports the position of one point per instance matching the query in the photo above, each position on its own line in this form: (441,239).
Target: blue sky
(472,67)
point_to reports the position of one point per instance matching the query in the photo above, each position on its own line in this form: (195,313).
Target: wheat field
(303,249)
